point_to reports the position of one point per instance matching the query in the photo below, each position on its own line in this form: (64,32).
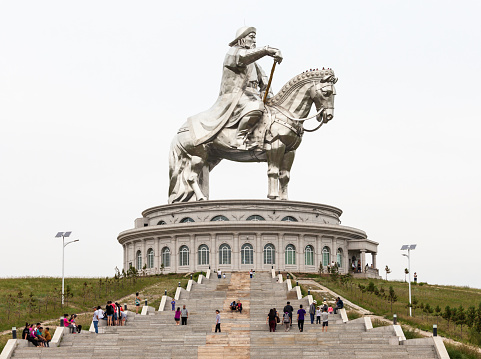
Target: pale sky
(92,92)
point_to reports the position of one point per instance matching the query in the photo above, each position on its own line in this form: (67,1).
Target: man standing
(300,318)
(95,319)
(312,311)
(240,101)
(184,314)
(217,321)
(289,309)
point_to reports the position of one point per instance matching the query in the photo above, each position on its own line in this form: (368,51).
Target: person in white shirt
(318,315)
(217,321)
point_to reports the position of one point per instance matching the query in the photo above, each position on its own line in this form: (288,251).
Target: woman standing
(137,303)
(271,320)
(177,316)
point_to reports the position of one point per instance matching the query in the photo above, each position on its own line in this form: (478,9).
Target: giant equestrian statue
(247,123)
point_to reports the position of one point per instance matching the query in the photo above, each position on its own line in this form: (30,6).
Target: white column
(374,260)
(194,254)
(174,262)
(144,252)
(125,257)
(213,250)
(258,253)
(301,265)
(235,260)
(282,249)
(363,259)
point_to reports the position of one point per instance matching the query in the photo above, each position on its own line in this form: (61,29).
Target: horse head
(322,94)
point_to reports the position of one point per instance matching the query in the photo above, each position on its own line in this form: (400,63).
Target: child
(173,304)
(318,315)
(48,336)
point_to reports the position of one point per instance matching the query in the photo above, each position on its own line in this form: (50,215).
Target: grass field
(374,295)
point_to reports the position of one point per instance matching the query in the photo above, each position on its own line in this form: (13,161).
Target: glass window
(326,254)
(255,217)
(290,254)
(150,258)
(166,256)
(224,254)
(309,256)
(247,254)
(219,218)
(184,256)
(203,255)
(186,220)
(161,223)
(269,254)
(289,219)
(139,261)
(339,257)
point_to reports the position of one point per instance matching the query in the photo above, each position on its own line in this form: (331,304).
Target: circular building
(239,235)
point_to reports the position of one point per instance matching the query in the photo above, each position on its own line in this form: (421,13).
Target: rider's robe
(240,93)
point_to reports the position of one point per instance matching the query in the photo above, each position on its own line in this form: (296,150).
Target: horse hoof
(202,199)
(273,197)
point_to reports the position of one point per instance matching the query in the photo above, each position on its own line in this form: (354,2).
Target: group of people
(220,274)
(37,335)
(114,314)
(236,306)
(181,315)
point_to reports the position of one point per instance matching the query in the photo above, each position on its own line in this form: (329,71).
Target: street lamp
(409,248)
(64,235)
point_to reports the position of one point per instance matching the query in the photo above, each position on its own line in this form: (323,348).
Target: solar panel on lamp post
(64,235)
(409,248)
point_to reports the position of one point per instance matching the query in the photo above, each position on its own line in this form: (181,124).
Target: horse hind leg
(285,174)
(274,159)
(197,167)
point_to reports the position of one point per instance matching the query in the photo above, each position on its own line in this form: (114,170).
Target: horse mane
(300,80)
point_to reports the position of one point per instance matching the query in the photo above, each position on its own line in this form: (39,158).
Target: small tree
(162,268)
(447,314)
(477,320)
(392,297)
(388,270)
(460,318)
(321,268)
(406,272)
(470,316)
(415,304)
(437,311)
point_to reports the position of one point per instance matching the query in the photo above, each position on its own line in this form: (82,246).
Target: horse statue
(279,134)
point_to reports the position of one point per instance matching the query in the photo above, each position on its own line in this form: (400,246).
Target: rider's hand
(278,56)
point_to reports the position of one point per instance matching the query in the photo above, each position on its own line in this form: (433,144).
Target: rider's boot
(245,125)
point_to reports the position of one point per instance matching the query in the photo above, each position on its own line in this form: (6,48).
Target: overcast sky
(92,92)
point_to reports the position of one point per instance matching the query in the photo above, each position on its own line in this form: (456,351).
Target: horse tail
(179,169)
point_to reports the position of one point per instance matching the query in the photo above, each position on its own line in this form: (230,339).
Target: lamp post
(409,248)
(64,235)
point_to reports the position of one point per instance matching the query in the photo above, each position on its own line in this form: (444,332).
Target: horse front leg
(274,158)
(197,165)
(285,173)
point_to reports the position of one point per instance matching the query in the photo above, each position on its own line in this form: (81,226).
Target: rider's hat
(241,33)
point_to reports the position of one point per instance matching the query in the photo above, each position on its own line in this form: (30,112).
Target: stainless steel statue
(240,127)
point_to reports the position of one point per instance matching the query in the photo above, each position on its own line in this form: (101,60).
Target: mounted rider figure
(241,92)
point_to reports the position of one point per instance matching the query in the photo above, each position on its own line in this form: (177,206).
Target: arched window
(326,254)
(269,254)
(161,223)
(166,256)
(247,254)
(139,261)
(186,220)
(184,256)
(150,258)
(224,254)
(219,218)
(339,257)
(255,217)
(290,254)
(309,256)
(289,219)
(203,255)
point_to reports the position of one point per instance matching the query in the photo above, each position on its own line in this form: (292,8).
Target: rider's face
(250,40)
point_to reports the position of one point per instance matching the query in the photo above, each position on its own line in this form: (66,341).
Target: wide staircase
(243,335)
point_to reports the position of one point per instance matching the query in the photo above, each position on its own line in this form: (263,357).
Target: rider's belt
(253,84)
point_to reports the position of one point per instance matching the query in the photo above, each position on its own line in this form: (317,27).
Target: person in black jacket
(289,309)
